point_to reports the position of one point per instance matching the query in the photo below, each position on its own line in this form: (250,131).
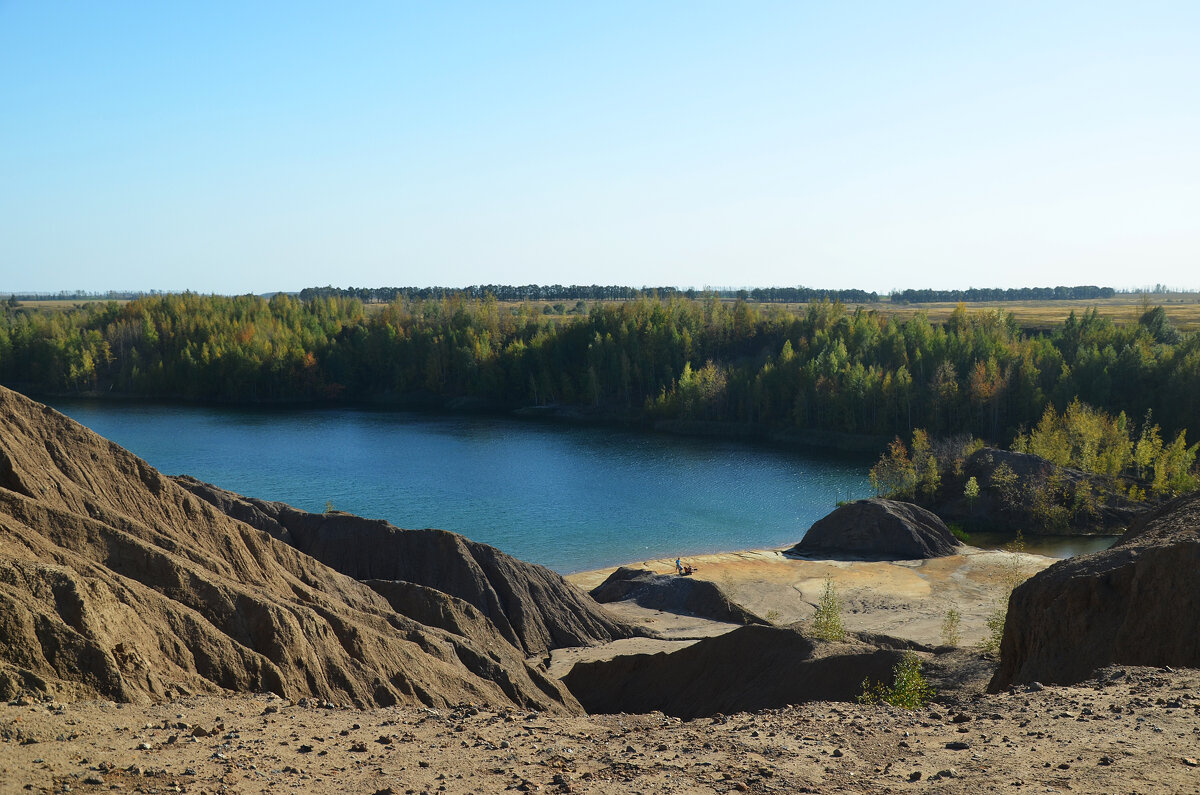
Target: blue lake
(571,498)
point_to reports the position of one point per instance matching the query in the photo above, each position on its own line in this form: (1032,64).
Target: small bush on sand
(950,627)
(827,621)
(995,629)
(1012,576)
(908,690)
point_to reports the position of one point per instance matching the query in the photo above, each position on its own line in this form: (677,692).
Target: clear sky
(256,146)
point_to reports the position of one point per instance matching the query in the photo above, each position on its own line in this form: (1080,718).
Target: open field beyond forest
(62,304)
(1183,309)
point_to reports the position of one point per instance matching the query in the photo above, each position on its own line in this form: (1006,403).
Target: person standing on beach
(678,566)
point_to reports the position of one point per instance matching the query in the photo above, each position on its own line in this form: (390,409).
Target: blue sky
(251,147)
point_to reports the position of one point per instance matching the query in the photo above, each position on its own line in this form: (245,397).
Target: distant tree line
(803,295)
(502,292)
(80,295)
(821,366)
(996,294)
(592,292)
(792,295)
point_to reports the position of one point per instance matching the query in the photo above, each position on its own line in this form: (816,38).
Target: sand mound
(879,529)
(750,668)
(534,608)
(116,582)
(1137,603)
(672,593)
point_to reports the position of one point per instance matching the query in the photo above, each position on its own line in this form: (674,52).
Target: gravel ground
(1131,730)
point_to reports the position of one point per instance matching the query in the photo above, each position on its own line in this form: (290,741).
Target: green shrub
(908,690)
(950,627)
(957,531)
(1012,576)
(827,621)
(971,490)
(1004,482)
(995,626)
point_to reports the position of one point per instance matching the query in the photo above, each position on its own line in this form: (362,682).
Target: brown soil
(1137,732)
(117,583)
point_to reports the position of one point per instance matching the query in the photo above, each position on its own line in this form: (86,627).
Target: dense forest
(823,367)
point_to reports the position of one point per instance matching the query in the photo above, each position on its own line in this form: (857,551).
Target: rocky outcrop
(534,608)
(880,529)
(750,668)
(1137,603)
(115,582)
(673,594)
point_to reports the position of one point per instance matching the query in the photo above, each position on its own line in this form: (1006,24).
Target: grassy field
(58,305)
(1183,309)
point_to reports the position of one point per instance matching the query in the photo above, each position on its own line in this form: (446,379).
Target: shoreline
(1047,546)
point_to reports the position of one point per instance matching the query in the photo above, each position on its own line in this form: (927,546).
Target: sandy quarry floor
(1138,732)
(1129,731)
(908,599)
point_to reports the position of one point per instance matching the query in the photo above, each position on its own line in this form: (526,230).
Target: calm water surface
(566,497)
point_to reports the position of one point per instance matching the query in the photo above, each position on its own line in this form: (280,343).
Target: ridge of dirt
(115,582)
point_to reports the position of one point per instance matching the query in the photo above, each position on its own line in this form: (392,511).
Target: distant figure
(678,566)
(689,569)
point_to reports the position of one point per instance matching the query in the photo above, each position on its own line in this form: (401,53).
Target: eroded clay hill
(751,668)
(1137,603)
(116,582)
(532,606)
